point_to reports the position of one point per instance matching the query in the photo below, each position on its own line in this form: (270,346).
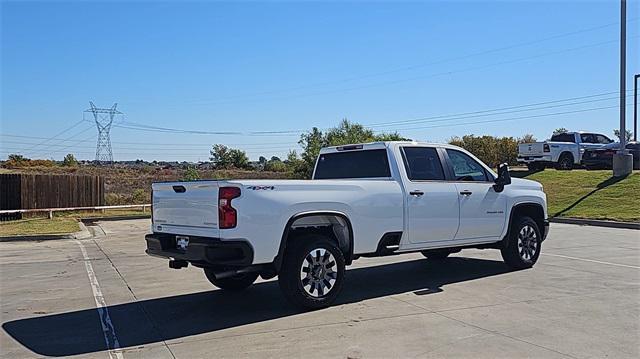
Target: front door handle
(466,193)
(416,193)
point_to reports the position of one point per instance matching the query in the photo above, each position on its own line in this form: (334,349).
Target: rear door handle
(466,193)
(416,193)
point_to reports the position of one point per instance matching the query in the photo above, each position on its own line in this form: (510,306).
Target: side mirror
(504,177)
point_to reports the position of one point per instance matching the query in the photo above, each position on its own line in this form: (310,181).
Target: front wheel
(236,283)
(312,272)
(524,244)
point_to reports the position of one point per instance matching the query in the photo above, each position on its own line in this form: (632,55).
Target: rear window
(564,137)
(356,164)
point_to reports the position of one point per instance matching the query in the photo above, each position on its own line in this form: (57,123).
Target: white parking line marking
(591,260)
(108,330)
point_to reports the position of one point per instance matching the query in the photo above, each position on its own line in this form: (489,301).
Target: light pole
(622,160)
(635,106)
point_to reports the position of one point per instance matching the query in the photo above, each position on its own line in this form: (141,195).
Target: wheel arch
(567,153)
(530,209)
(344,240)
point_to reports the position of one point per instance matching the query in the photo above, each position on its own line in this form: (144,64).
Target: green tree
(275,166)
(491,150)
(225,157)
(239,158)
(220,156)
(295,165)
(345,133)
(16,160)
(70,160)
(527,138)
(628,135)
(560,130)
(191,174)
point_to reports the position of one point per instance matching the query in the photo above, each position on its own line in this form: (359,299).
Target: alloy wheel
(527,243)
(318,274)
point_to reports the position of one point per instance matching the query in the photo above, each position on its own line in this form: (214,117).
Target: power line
(157,143)
(69,138)
(416,66)
(450,117)
(509,119)
(493,113)
(454,124)
(465,115)
(442,73)
(56,135)
(207,147)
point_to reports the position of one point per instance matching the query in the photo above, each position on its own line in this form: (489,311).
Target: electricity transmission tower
(104,118)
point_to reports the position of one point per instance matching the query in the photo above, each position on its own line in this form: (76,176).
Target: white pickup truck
(563,151)
(364,200)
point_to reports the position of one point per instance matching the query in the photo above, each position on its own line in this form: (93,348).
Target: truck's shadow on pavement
(80,332)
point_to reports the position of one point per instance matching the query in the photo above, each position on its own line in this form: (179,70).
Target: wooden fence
(25,191)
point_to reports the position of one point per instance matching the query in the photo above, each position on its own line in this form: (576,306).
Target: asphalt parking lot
(581,300)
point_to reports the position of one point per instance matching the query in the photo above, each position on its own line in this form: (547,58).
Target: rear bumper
(529,159)
(201,251)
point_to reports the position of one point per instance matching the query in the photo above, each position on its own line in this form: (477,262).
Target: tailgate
(531,149)
(186,204)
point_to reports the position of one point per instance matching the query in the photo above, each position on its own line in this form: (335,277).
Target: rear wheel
(524,243)
(312,272)
(236,283)
(565,162)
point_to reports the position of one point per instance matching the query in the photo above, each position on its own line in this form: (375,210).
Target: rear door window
(422,164)
(353,164)
(588,138)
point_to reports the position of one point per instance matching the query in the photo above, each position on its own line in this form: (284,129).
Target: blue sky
(280,66)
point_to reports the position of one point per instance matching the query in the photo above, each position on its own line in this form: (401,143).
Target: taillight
(546,148)
(227,215)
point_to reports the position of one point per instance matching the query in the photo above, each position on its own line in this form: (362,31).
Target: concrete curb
(596,222)
(83,233)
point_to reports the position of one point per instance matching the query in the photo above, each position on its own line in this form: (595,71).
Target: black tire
(320,269)
(565,162)
(436,254)
(523,244)
(235,283)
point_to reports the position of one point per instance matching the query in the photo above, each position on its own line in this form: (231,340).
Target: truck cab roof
(381,145)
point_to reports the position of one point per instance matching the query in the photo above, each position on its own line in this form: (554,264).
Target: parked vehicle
(364,200)
(563,151)
(602,158)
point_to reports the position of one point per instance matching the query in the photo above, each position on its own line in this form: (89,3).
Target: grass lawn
(590,194)
(33,226)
